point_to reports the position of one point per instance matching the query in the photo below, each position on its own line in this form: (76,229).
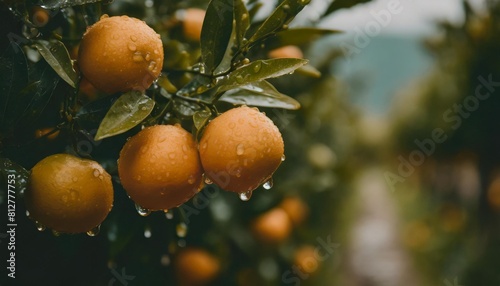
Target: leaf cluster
(42,86)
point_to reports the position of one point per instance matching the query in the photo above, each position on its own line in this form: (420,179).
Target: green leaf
(32,101)
(13,174)
(56,4)
(91,115)
(216,32)
(341,4)
(277,21)
(197,85)
(261,94)
(200,118)
(186,109)
(297,37)
(14,77)
(259,70)
(126,113)
(56,54)
(309,70)
(166,84)
(242,21)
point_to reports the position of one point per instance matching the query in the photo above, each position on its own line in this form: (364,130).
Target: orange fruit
(119,54)
(417,235)
(87,90)
(160,167)
(42,132)
(272,227)
(69,194)
(494,194)
(321,156)
(241,149)
(192,22)
(306,259)
(289,51)
(194,266)
(295,208)
(40,16)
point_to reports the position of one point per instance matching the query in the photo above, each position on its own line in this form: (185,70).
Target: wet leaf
(216,32)
(166,84)
(261,94)
(282,15)
(90,115)
(259,70)
(297,37)
(56,4)
(201,118)
(309,70)
(185,108)
(56,54)
(14,77)
(14,175)
(341,4)
(242,21)
(126,113)
(31,102)
(197,85)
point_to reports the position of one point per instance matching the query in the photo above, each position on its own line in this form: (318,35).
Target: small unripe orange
(289,51)
(306,258)
(192,22)
(40,16)
(295,208)
(196,267)
(48,132)
(272,227)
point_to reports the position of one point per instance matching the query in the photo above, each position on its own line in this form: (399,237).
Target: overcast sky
(417,16)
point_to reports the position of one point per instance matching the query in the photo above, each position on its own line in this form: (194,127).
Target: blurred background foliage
(452,204)
(446,212)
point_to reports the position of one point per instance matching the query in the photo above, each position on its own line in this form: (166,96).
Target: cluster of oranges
(162,166)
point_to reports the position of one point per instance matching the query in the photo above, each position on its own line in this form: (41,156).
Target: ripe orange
(160,167)
(272,227)
(306,258)
(119,54)
(289,51)
(195,266)
(241,149)
(69,194)
(295,208)
(192,22)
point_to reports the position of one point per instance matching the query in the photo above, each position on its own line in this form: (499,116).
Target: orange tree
(78,79)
